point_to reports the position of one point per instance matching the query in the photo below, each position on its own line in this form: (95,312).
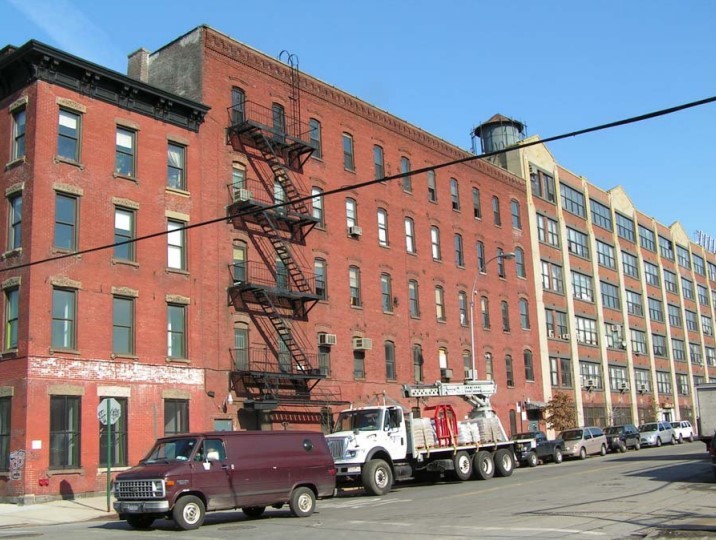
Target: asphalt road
(633,495)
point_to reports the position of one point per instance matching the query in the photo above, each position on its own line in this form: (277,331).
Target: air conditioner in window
(326,339)
(565,336)
(243,194)
(355,230)
(362,344)
(469,375)
(590,383)
(550,333)
(446,373)
(623,386)
(643,388)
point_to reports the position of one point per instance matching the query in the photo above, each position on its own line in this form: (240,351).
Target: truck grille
(139,489)
(337,446)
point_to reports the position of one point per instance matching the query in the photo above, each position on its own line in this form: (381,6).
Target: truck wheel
(483,466)
(463,466)
(140,522)
(377,477)
(189,513)
(582,453)
(302,502)
(557,456)
(253,511)
(531,459)
(504,462)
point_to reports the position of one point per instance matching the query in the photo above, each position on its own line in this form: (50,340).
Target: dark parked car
(534,446)
(620,438)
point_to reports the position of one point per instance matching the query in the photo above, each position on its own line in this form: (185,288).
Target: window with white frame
(613,334)
(590,374)
(454,194)
(382,227)
(634,303)
(642,380)
(435,243)
(317,207)
(577,243)
(432,186)
(552,277)
(440,303)
(618,378)
(683,384)
(176,245)
(707,325)
(582,287)
(586,330)
(354,288)
(547,230)
(409,235)
(351,212)
(462,307)
(663,382)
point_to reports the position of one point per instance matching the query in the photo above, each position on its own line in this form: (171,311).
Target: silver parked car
(581,442)
(657,433)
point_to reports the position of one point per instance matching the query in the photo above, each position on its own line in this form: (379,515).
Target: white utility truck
(706,411)
(374,446)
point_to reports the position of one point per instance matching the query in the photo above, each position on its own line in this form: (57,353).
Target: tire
(673,440)
(140,521)
(463,466)
(622,447)
(557,455)
(658,442)
(302,502)
(504,462)
(253,511)
(189,513)
(532,459)
(377,477)
(681,439)
(691,438)
(582,453)
(603,450)
(637,446)
(483,466)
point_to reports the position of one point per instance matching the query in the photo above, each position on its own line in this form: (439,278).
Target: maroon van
(185,476)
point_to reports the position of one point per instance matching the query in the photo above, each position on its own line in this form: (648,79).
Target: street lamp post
(503,256)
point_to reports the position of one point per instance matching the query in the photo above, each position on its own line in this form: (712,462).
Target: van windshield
(171,450)
(571,435)
(362,420)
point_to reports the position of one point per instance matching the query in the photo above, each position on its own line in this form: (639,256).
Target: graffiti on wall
(17,462)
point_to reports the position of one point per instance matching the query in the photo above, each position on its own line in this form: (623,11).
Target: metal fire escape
(277,291)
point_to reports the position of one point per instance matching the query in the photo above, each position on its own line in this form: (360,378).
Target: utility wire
(342,189)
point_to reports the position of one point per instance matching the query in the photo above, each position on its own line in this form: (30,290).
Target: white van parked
(683,430)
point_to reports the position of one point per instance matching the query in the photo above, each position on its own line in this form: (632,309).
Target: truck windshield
(362,420)
(171,450)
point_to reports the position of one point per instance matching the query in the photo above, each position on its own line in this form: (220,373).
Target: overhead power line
(359,185)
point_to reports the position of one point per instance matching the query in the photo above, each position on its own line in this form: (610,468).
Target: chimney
(138,65)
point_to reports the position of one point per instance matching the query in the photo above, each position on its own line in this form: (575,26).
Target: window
(378,162)
(542,184)
(524,314)
(315,138)
(695,354)
(389,348)
(663,382)
(351,213)
(5,431)
(238,105)
(176,163)
(670,281)
(678,350)
(418,363)
(382,227)
(238,181)
(687,288)
(462,307)
(617,378)
(176,416)
(176,331)
(354,286)
(65,432)
(509,371)
(651,273)
(319,268)
(239,266)
(454,194)
(625,227)
(520,262)
(683,257)
(442,359)
(529,366)
(560,372)
(582,286)
(485,311)
(317,206)
(666,248)
(68,135)
(64,318)
(124,161)
(386,293)
(577,243)
(712,271)
(124,234)
(505,311)
(586,331)
(459,252)
(698,264)
(638,341)
(711,356)
(118,442)
(573,200)
(647,238)
(12,312)
(432,187)
(279,196)
(407,181)
(674,315)
(656,309)
(176,245)
(14,237)
(241,347)
(613,333)
(481,256)
(610,296)
(496,211)
(65,222)
(515,212)
(707,325)
(440,303)
(552,279)
(413,299)
(630,265)
(703,294)
(348,160)
(122,325)
(18,134)
(605,255)
(359,364)
(590,371)
(476,207)
(409,235)
(435,242)
(634,303)
(601,215)
(658,343)
(683,384)
(547,230)
(489,371)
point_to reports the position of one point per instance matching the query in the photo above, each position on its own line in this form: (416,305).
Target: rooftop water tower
(498,133)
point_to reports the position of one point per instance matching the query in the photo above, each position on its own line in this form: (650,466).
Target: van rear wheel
(189,513)
(377,477)
(253,511)
(302,502)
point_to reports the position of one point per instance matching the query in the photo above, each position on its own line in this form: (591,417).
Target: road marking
(362,502)
(528,529)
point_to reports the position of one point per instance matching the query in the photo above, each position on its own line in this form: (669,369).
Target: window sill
(68,161)
(102,469)
(8,353)
(177,191)
(64,351)
(180,271)
(357,307)
(63,251)
(11,254)
(124,356)
(125,262)
(178,360)
(56,472)
(15,163)
(125,177)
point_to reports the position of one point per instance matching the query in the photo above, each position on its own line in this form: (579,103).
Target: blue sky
(557,66)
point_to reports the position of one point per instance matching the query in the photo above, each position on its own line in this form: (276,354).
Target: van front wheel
(303,502)
(189,513)
(377,477)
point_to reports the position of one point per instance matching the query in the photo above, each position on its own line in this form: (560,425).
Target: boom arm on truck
(476,393)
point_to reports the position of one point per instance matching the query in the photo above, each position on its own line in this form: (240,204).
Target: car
(657,433)
(683,430)
(622,437)
(534,447)
(584,441)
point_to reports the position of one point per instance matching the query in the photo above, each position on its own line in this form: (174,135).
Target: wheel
(622,447)
(483,466)
(532,459)
(302,502)
(557,456)
(658,441)
(189,512)
(582,453)
(691,438)
(253,511)
(140,522)
(377,477)
(463,466)
(674,440)
(603,450)
(681,439)
(504,462)
(637,446)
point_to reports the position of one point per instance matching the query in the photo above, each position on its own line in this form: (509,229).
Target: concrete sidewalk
(55,512)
